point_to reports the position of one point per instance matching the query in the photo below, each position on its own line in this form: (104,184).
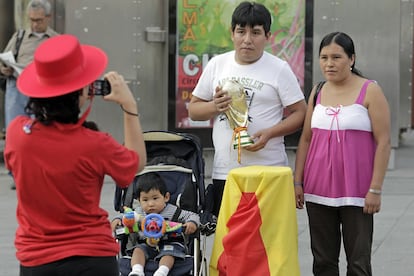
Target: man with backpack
(23,45)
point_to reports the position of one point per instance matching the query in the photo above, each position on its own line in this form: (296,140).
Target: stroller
(178,159)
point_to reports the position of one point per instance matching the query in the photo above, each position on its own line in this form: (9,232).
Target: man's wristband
(298,184)
(375,191)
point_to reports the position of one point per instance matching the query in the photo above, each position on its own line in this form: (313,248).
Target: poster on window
(203,31)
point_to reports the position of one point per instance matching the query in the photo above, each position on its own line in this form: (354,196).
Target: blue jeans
(14,102)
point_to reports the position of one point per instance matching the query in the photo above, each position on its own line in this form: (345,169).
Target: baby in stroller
(153,198)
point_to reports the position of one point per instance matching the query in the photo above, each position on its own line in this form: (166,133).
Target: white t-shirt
(270,85)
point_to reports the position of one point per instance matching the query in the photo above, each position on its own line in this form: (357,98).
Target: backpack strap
(19,39)
(318,89)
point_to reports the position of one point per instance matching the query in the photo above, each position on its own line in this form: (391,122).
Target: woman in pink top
(59,162)
(342,159)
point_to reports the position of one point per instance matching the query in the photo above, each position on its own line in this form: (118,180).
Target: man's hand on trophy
(221,100)
(260,139)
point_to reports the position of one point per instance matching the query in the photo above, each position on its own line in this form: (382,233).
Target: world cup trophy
(237,115)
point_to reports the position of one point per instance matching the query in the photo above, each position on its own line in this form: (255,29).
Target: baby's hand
(190,227)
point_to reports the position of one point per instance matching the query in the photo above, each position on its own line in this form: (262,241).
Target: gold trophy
(237,115)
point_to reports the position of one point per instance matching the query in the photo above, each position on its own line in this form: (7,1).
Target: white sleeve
(204,88)
(289,89)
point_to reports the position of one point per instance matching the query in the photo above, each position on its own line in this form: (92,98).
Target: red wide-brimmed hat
(61,65)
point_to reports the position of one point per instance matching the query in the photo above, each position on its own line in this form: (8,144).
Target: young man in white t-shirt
(270,86)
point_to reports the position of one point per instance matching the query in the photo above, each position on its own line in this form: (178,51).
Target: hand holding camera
(114,88)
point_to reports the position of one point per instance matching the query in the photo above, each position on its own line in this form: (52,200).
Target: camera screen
(100,88)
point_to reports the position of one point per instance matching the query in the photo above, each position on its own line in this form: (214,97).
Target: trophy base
(243,139)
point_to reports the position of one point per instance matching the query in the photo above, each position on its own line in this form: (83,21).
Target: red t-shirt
(59,172)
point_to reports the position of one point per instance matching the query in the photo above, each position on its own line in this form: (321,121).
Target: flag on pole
(256,230)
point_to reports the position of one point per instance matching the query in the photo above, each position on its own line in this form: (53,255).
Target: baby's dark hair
(151,181)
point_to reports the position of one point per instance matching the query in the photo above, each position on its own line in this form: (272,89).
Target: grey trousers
(327,225)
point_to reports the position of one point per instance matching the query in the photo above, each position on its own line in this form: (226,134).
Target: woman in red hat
(59,162)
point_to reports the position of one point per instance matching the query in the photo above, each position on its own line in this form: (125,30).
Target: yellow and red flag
(256,231)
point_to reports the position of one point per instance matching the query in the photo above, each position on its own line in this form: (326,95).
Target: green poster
(203,30)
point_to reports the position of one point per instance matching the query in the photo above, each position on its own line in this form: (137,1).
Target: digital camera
(100,88)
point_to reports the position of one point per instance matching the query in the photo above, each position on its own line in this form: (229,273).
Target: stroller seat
(177,158)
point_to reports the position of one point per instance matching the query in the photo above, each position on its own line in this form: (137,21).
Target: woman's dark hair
(62,109)
(251,14)
(151,181)
(345,41)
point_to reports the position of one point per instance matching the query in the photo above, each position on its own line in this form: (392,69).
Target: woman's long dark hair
(62,109)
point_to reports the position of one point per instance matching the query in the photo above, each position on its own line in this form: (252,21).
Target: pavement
(393,244)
